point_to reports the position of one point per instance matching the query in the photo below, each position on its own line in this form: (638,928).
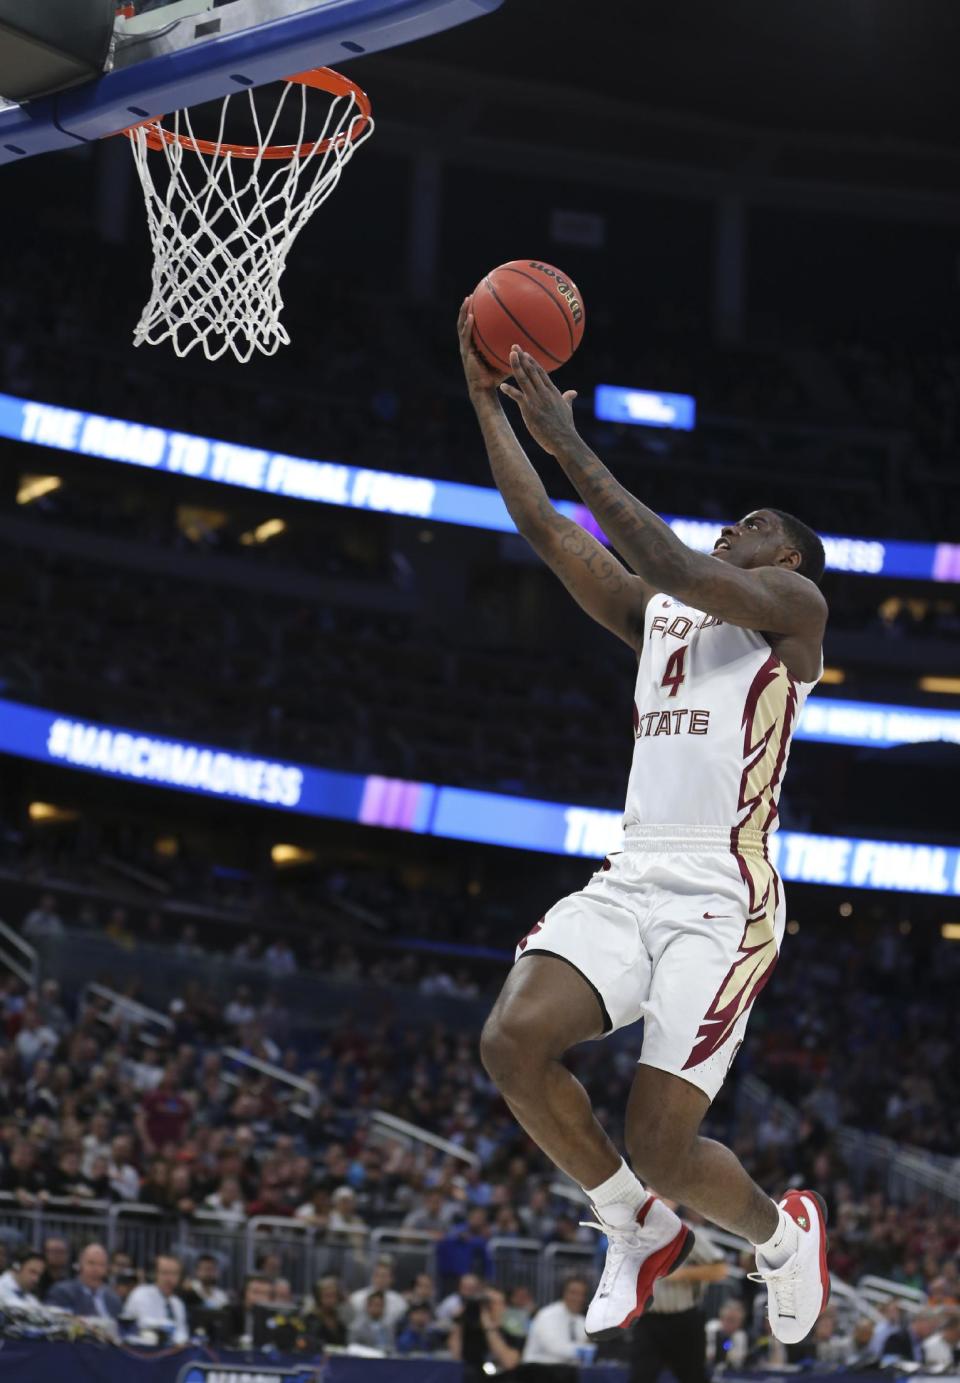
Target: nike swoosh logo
(710,916)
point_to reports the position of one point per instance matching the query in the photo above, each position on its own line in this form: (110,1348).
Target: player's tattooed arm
(772,599)
(599,583)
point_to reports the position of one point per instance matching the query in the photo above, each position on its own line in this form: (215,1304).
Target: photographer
(728,1343)
(479,1336)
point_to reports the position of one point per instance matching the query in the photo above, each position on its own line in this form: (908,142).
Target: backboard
(187,52)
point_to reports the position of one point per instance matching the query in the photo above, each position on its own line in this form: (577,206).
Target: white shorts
(681,930)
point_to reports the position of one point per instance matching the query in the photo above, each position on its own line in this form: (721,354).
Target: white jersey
(714,713)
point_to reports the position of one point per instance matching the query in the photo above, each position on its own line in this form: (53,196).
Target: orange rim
(320,78)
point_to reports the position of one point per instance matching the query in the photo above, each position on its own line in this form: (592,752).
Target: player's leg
(544,1008)
(580,973)
(714,938)
(664,1114)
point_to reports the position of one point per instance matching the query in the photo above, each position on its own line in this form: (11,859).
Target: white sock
(782,1242)
(618,1199)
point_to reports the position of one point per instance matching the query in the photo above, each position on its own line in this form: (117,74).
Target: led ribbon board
(613,403)
(441,501)
(428,809)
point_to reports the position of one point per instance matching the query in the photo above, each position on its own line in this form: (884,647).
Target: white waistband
(660,837)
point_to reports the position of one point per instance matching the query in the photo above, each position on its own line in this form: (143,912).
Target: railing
(277,1073)
(143,1232)
(907,1173)
(311,998)
(399,1130)
(124,1010)
(19,956)
(878,1291)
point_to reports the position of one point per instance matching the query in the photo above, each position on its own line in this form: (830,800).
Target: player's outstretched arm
(599,583)
(770,599)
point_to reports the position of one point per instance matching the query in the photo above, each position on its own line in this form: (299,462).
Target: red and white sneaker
(650,1248)
(799,1289)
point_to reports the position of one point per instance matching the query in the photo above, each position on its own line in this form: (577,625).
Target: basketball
(529,304)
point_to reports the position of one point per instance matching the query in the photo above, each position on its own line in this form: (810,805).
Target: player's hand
(547,413)
(479,374)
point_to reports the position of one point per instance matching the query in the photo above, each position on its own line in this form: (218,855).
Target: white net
(223,217)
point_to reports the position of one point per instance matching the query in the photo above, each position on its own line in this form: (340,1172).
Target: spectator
(124,1281)
(249,952)
(469,1288)
(423,1292)
(270,1199)
(181,1190)
(279,959)
(123,1275)
(327,1313)
(269,1265)
(52,1013)
(432,1215)
(164,1114)
(536,1217)
(18,1286)
(369,1327)
(188,947)
(830,1348)
(728,1343)
(343,1214)
(57,1263)
(480,1337)
(117,929)
(464,1248)
(315,1211)
(941,1291)
(417,1333)
(88,1294)
(43,923)
(240,1010)
(558,1330)
(255,1292)
(203,1291)
(521,1309)
(155,1306)
(21,1176)
(120,1261)
(34,1041)
(381,1281)
(95,1142)
(861,1354)
(155,1189)
(941,1351)
(66,1181)
(889,1325)
(908,1342)
(123,1175)
(227,1202)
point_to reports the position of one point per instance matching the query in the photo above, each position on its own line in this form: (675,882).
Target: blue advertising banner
(453,813)
(352,487)
(614,403)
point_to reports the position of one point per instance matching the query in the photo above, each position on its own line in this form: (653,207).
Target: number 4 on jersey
(674,673)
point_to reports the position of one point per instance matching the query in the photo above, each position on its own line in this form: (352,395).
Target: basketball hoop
(224,215)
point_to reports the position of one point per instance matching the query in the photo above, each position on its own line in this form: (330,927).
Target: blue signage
(643,408)
(454,813)
(265,1372)
(442,501)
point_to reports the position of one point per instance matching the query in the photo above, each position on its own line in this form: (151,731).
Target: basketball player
(682,925)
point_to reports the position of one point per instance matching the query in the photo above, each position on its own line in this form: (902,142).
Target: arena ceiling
(877,68)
